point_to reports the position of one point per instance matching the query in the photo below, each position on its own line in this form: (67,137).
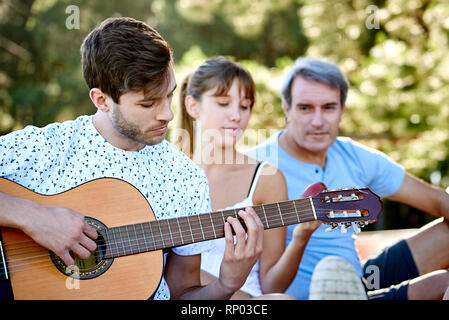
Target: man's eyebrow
(148,99)
(309,104)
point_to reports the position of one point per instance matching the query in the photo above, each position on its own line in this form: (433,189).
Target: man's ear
(286,110)
(101,100)
(192,107)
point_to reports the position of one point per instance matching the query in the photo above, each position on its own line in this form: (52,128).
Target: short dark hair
(124,54)
(313,69)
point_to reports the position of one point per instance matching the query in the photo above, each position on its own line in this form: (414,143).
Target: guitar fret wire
(224,222)
(127,232)
(160,230)
(201,226)
(145,238)
(137,241)
(280,214)
(107,237)
(120,235)
(180,232)
(212,224)
(152,234)
(296,211)
(190,227)
(115,240)
(169,231)
(265,215)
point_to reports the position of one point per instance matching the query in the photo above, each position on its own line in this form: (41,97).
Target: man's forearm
(14,211)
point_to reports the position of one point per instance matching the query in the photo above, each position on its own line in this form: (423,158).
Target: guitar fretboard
(168,233)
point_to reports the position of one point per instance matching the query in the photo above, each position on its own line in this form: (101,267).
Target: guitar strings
(155,221)
(208,230)
(46,262)
(304,203)
(184,224)
(155,236)
(167,239)
(131,245)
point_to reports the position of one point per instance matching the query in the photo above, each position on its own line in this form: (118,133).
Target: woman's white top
(211,260)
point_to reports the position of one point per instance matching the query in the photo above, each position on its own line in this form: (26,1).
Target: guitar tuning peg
(332,227)
(343,228)
(356,227)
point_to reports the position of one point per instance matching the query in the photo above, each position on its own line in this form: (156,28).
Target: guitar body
(33,272)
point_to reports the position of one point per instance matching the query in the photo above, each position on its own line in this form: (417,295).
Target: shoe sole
(335,279)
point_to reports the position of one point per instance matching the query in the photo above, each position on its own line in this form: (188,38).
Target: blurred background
(393,52)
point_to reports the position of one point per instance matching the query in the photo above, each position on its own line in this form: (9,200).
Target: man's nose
(165,112)
(317,120)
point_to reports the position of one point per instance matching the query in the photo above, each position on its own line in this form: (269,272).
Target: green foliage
(398,101)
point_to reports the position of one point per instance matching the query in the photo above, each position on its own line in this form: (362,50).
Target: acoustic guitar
(128,261)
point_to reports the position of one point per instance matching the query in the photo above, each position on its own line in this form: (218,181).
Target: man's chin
(153,140)
(318,146)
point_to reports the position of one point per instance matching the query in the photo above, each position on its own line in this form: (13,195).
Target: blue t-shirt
(348,165)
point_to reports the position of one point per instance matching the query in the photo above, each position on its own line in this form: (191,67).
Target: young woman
(216,103)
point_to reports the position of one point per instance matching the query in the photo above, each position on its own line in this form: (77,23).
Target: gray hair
(314,70)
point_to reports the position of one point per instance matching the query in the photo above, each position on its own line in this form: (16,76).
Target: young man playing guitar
(128,67)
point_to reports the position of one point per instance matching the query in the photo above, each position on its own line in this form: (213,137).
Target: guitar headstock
(347,207)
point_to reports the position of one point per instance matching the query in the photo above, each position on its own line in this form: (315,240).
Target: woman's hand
(240,257)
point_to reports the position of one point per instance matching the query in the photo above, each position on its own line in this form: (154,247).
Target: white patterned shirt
(61,156)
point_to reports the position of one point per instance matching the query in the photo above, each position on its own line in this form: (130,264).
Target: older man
(309,149)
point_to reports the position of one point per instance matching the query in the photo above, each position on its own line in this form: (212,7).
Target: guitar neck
(168,233)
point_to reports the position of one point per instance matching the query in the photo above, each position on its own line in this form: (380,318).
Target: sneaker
(335,279)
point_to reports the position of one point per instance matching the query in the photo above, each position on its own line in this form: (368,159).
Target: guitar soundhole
(91,267)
